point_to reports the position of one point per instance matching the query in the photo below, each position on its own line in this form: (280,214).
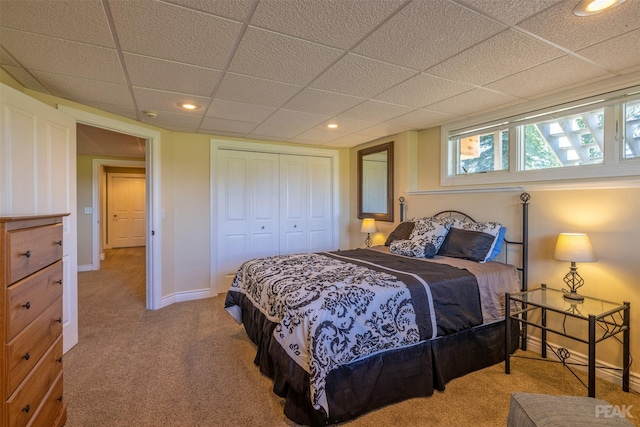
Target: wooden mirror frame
(379,216)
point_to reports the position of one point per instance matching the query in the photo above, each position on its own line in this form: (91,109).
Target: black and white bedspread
(331,309)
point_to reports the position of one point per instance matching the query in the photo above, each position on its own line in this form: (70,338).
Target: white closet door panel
(265,201)
(234,253)
(294,207)
(320,204)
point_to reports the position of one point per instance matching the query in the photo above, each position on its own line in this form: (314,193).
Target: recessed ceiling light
(591,7)
(188,106)
(332,125)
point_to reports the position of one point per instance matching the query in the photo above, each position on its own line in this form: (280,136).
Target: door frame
(153,186)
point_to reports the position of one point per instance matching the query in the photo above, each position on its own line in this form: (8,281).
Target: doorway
(153,231)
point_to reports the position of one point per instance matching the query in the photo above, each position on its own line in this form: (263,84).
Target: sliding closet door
(248,208)
(306,204)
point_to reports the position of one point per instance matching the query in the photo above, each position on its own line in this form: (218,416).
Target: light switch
(88,210)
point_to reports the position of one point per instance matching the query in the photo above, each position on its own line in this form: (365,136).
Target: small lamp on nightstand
(368,226)
(574,247)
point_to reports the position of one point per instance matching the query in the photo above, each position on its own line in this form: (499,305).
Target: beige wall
(609,216)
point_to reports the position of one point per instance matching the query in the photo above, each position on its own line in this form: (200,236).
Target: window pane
(631,147)
(484,152)
(567,141)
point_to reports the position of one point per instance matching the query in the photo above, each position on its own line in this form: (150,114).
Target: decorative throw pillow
(402,232)
(492,228)
(430,229)
(467,244)
(413,248)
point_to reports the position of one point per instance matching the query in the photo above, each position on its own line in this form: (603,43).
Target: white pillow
(431,230)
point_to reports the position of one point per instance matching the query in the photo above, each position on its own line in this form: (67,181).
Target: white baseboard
(186,296)
(534,344)
(85,267)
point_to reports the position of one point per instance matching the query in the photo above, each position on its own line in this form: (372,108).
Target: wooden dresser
(31,330)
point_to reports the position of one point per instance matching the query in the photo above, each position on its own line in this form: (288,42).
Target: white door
(306,204)
(248,203)
(126,210)
(38,175)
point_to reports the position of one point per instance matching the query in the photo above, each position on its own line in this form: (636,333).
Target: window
(631,129)
(597,137)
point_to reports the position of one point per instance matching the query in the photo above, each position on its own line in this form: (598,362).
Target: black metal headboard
(524,243)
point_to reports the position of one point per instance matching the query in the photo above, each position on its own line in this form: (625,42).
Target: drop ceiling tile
(423,89)
(83,21)
(224,125)
(59,56)
(559,74)
(322,102)
(559,25)
(230,110)
(281,58)
(338,23)
(315,136)
(157,100)
(6,59)
(426,32)
(266,137)
(236,9)
(160,74)
(349,141)
(292,119)
(375,111)
(346,125)
(24,78)
(509,12)
(84,90)
(383,129)
(473,102)
(121,110)
(253,90)
(616,54)
(174,121)
(278,132)
(171,32)
(422,119)
(499,56)
(359,76)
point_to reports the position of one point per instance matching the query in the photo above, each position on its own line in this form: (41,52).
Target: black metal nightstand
(605,319)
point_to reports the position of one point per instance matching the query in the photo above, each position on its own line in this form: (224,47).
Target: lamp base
(573,296)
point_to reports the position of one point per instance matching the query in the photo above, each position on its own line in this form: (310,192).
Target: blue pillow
(497,247)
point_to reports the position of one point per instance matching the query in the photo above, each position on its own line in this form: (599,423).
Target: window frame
(615,165)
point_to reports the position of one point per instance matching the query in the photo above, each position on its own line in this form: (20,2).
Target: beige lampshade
(574,247)
(369,226)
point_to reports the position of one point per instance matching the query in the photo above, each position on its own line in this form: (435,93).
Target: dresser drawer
(31,296)
(51,408)
(32,249)
(26,400)
(24,351)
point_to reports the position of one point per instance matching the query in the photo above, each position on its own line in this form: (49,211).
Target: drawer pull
(27,254)
(27,305)
(59,282)
(59,399)
(26,356)
(59,243)
(59,359)
(59,320)
(26,409)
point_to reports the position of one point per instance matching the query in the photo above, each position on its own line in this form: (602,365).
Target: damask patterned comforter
(331,309)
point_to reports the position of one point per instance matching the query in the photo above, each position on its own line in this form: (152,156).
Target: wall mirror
(375,182)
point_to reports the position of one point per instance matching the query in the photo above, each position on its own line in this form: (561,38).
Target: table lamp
(368,226)
(574,247)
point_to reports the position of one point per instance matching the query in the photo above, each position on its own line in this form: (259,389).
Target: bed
(342,333)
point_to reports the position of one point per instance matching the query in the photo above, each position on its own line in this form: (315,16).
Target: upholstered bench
(543,410)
